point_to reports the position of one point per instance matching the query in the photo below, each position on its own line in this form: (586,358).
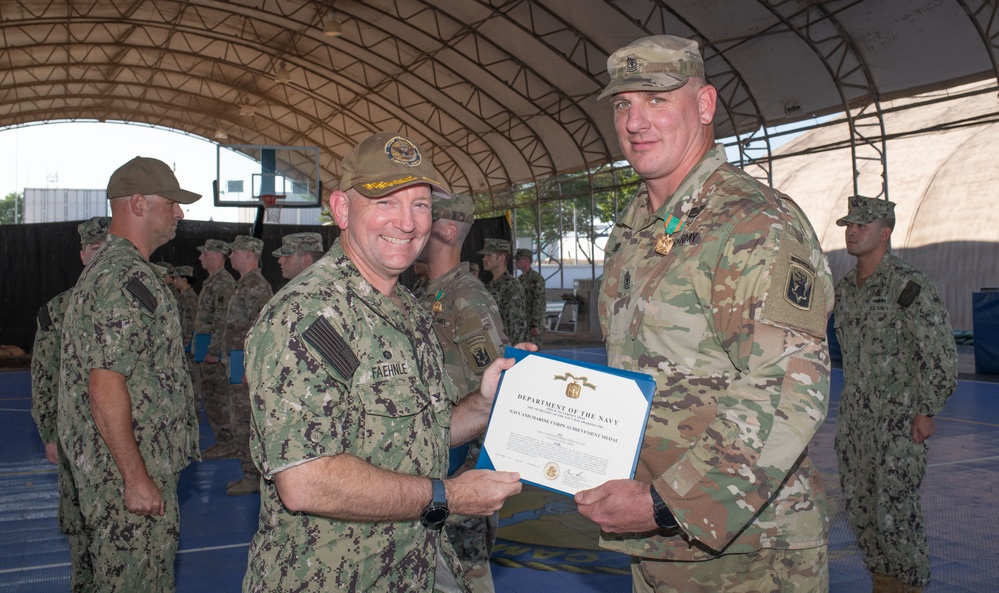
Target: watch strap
(440,494)
(660,512)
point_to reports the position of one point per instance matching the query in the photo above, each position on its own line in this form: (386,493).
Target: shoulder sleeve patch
(794,297)
(141,294)
(44,318)
(332,347)
(909,294)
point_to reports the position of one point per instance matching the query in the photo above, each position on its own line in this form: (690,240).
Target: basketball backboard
(247,175)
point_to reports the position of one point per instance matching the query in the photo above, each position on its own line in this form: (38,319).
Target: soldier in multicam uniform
(899,368)
(210,324)
(534,293)
(353,410)
(126,415)
(716,286)
(45,357)
(297,252)
(168,279)
(506,291)
(468,327)
(250,295)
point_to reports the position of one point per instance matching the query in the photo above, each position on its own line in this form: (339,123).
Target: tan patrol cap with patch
(657,63)
(866,210)
(386,162)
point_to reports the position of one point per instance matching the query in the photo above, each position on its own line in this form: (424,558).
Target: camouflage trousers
(473,539)
(764,571)
(81,576)
(215,398)
(239,423)
(131,553)
(880,482)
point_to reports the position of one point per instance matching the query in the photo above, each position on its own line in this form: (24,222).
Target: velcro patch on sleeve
(794,298)
(44,318)
(332,347)
(142,294)
(909,294)
(478,352)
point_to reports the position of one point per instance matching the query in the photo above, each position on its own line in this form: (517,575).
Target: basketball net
(272,206)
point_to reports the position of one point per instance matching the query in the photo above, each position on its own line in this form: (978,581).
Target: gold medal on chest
(664,244)
(438,306)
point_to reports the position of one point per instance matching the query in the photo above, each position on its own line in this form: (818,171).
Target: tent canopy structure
(502,92)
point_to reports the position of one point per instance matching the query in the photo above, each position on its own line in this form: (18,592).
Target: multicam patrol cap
(386,162)
(458,208)
(215,245)
(523,252)
(495,246)
(865,210)
(186,271)
(247,243)
(94,230)
(656,63)
(147,176)
(299,243)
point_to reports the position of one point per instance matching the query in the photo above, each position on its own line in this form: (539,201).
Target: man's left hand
(618,506)
(923,428)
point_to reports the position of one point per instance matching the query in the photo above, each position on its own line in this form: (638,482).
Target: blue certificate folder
(646,385)
(201,346)
(235,367)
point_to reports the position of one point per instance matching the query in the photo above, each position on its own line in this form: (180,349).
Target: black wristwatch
(660,512)
(436,511)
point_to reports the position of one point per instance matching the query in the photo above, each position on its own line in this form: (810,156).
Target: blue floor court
(544,546)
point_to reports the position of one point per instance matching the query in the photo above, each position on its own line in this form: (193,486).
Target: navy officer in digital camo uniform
(353,410)
(126,416)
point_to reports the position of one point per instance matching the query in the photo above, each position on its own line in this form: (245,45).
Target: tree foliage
(571,205)
(11,205)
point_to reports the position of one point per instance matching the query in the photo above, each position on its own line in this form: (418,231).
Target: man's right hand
(52,453)
(143,497)
(480,492)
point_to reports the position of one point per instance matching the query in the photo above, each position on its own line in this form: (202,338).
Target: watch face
(434,516)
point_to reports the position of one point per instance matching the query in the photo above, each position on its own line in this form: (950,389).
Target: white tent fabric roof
(504,92)
(945,186)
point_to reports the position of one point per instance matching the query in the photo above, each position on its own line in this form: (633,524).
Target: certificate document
(566,425)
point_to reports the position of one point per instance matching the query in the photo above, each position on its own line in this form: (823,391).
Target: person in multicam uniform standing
(250,295)
(506,290)
(126,416)
(534,293)
(468,327)
(899,368)
(210,321)
(716,286)
(353,411)
(45,356)
(297,252)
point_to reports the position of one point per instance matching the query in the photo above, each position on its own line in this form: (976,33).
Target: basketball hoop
(272,206)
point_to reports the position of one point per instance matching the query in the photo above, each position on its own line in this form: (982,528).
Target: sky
(83,156)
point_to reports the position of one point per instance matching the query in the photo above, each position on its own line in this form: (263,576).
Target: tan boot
(883,583)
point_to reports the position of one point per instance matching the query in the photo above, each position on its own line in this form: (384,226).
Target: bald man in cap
(715,285)
(251,293)
(297,252)
(45,357)
(899,368)
(126,415)
(354,412)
